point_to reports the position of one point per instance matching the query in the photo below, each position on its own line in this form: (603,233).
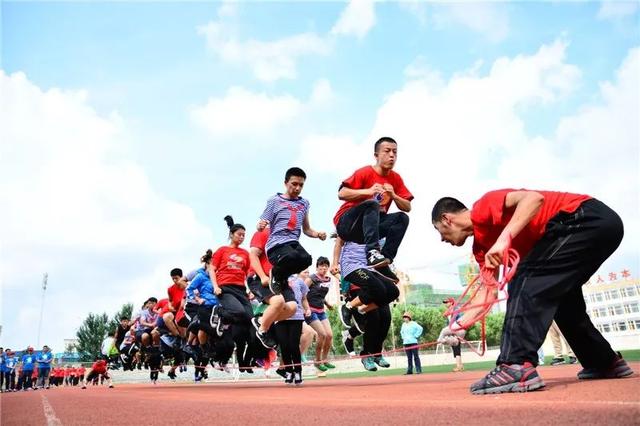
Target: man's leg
(360,224)
(554,335)
(409,359)
(393,227)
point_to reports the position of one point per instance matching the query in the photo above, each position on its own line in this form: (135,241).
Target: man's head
(451,219)
(30,350)
(45,348)
(406,317)
(294,180)
(322,265)
(151,302)
(176,274)
(124,321)
(386,152)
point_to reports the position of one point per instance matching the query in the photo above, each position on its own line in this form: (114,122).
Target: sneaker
(617,370)
(456,369)
(329,365)
(381,361)
(274,285)
(376,259)
(280,372)
(83,387)
(408,373)
(321,374)
(345,315)
(303,359)
(255,321)
(369,364)
(388,274)
(348,343)
(572,360)
(557,361)
(360,321)
(289,378)
(297,379)
(172,375)
(509,378)
(110,386)
(266,339)
(321,367)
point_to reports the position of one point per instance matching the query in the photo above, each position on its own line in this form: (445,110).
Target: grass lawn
(629,355)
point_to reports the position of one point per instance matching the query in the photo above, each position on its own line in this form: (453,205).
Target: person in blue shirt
(410,333)
(28,362)
(10,362)
(44,367)
(2,358)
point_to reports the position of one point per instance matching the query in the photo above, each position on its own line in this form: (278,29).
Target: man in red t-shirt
(97,369)
(562,240)
(367,196)
(176,300)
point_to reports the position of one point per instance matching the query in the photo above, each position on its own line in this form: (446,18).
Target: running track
(407,400)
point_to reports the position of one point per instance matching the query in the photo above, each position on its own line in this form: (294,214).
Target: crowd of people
(260,300)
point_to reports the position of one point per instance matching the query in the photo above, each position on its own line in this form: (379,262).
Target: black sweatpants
(548,285)
(287,259)
(288,336)
(373,287)
(376,329)
(366,224)
(237,310)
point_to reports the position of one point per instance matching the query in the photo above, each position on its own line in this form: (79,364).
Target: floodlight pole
(44,290)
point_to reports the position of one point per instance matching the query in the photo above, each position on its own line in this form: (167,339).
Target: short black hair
(382,140)
(152,299)
(322,261)
(176,271)
(294,171)
(124,317)
(446,205)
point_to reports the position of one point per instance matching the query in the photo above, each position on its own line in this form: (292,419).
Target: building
(421,293)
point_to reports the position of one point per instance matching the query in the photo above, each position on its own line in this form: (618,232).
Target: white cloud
(75,207)
(322,92)
(268,60)
(467,135)
(241,112)
(417,9)
(488,19)
(617,9)
(356,19)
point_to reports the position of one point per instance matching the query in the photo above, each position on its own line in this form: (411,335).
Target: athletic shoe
(617,370)
(359,321)
(509,378)
(281,372)
(266,339)
(172,374)
(274,285)
(303,359)
(557,361)
(388,274)
(321,374)
(381,361)
(321,367)
(369,364)
(376,259)
(110,386)
(297,379)
(289,378)
(408,373)
(348,343)
(572,360)
(215,321)
(346,315)
(83,387)
(329,365)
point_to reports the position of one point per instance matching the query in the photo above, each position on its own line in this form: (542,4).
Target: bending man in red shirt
(367,196)
(562,240)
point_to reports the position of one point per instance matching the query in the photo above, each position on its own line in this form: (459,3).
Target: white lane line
(52,419)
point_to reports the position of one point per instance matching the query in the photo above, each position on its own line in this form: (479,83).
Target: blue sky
(131,129)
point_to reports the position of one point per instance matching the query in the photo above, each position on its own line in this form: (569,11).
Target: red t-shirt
(232,265)
(259,241)
(176,294)
(81,371)
(99,367)
(365,178)
(490,218)
(162,307)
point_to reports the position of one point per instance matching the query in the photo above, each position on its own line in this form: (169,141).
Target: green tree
(494,328)
(91,334)
(125,311)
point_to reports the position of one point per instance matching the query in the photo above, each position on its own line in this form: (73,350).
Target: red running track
(390,400)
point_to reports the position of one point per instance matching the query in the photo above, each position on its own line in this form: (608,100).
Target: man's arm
(312,233)
(402,203)
(254,259)
(527,204)
(337,249)
(350,194)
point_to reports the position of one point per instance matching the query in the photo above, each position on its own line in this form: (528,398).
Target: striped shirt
(352,257)
(285,218)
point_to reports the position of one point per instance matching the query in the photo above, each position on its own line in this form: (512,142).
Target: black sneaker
(215,321)
(376,259)
(509,378)
(348,343)
(346,315)
(617,370)
(172,374)
(256,323)
(281,372)
(359,320)
(572,360)
(266,339)
(288,379)
(557,361)
(274,285)
(297,379)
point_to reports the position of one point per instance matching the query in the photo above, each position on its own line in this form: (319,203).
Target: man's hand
(307,313)
(389,188)
(217,291)
(376,189)
(262,224)
(322,235)
(264,281)
(493,258)
(335,269)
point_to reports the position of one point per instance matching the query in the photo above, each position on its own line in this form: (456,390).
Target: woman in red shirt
(229,267)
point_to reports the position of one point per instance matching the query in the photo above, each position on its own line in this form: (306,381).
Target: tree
(125,311)
(91,334)
(494,328)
